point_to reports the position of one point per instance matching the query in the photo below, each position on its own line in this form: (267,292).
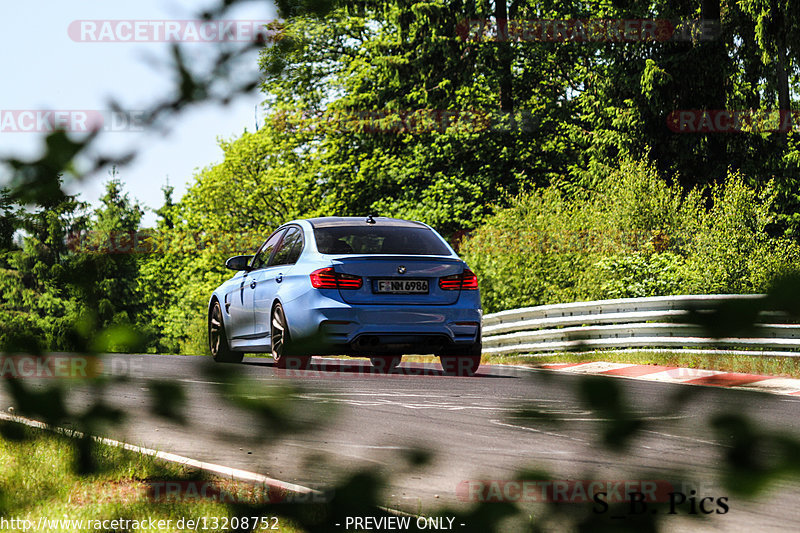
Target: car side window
(289,250)
(263,254)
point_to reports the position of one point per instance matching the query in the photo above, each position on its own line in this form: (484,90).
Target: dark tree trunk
(782,75)
(717,162)
(504,59)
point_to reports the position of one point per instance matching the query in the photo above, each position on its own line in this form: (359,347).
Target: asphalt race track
(482,428)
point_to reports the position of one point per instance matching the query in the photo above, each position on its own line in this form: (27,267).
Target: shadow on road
(331,367)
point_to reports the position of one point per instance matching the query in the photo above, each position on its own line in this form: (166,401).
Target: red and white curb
(688,376)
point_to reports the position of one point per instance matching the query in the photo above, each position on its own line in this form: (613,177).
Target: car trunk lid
(399,279)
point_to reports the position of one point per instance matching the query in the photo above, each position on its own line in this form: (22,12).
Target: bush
(634,236)
(530,253)
(639,274)
(732,252)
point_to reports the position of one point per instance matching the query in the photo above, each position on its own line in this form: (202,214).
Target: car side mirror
(239,262)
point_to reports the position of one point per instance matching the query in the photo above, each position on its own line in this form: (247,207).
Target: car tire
(281,343)
(460,365)
(218,339)
(386,363)
(463,361)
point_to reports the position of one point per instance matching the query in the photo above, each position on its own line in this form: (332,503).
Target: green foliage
(230,209)
(633,236)
(529,253)
(732,253)
(640,274)
(581,193)
(36,309)
(51,289)
(8,221)
(403,114)
(573,217)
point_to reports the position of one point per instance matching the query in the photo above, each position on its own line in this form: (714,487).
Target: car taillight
(348,281)
(328,278)
(467,280)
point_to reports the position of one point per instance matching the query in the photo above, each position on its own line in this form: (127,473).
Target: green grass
(38,479)
(748,364)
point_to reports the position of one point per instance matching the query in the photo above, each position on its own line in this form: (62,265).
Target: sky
(48,65)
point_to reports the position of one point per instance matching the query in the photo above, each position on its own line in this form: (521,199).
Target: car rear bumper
(332,326)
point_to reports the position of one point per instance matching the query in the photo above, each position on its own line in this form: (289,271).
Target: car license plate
(402,286)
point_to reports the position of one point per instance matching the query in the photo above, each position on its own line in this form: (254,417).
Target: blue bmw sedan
(360,286)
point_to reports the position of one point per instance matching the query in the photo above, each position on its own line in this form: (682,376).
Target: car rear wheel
(279,338)
(463,361)
(460,365)
(218,340)
(385,364)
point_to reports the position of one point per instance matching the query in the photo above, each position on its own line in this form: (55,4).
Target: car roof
(329,222)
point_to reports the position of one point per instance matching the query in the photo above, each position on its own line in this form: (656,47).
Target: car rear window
(378,240)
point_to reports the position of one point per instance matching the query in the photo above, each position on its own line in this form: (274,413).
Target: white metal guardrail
(657,322)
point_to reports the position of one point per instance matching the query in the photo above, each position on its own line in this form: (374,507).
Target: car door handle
(279,278)
(253,284)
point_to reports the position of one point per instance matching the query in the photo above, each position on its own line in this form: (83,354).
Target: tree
(104,274)
(8,221)
(37,309)
(403,115)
